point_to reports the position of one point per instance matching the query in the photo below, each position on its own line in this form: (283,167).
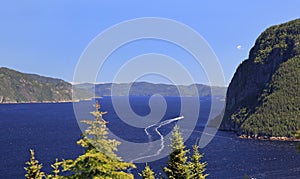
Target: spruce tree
(147,173)
(33,169)
(177,167)
(99,159)
(197,168)
(55,170)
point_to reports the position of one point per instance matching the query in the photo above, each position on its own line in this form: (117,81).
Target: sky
(48,37)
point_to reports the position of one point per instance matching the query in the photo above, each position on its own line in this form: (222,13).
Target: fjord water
(52,131)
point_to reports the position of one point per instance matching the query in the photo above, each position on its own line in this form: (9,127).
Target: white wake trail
(162,142)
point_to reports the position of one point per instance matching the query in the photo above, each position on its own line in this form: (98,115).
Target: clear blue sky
(48,37)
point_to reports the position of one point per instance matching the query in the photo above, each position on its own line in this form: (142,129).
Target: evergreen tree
(55,167)
(55,170)
(33,169)
(177,167)
(197,168)
(99,159)
(147,173)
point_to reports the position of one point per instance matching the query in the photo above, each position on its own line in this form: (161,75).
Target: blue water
(52,131)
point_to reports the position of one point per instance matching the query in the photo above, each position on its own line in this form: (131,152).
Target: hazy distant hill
(20,87)
(148,89)
(263,98)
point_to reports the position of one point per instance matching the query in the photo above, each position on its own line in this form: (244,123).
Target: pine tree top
(33,169)
(99,159)
(147,173)
(177,140)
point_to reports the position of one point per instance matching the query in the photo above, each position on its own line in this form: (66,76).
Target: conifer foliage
(197,168)
(147,173)
(33,168)
(56,170)
(177,165)
(99,159)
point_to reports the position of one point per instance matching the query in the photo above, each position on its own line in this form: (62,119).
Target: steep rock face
(254,78)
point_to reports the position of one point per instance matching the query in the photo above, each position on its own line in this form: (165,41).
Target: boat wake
(162,142)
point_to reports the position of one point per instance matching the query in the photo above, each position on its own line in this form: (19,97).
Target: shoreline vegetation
(46,102)
(267,138)
(39,102)
(80,100)
(290,139)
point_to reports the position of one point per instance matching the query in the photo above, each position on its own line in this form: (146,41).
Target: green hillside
(263,98)
(19,87)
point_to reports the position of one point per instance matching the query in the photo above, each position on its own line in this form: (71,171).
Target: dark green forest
(279,112)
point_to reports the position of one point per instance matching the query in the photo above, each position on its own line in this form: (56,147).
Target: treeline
(99,160)
(282,38)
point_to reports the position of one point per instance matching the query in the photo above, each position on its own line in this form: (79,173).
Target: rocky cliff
(263,96)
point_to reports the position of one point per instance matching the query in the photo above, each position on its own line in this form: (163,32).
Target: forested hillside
(263,98)
(20,87)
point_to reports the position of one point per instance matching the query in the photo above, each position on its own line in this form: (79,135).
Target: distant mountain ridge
(17,87)
(149,89)
(263,98)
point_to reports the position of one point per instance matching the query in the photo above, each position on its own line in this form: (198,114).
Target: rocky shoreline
(35,102)
(269,138)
